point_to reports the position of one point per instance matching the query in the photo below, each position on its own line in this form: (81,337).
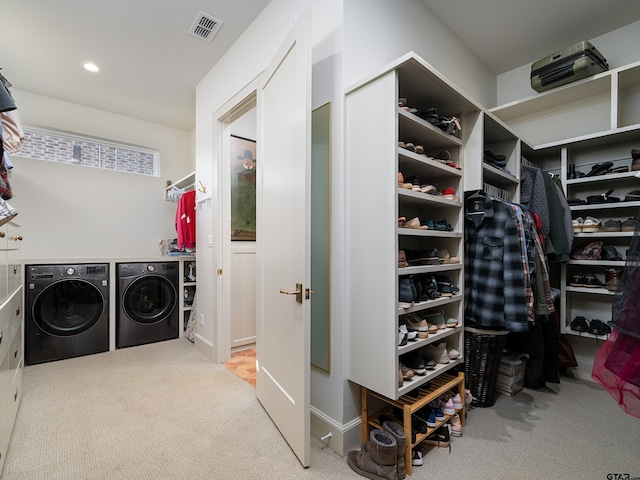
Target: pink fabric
(617,368)
(186,220)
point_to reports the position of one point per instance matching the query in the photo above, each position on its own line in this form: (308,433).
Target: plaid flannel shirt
(494,278)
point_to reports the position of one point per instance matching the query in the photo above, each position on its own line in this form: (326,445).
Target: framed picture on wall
(243,189)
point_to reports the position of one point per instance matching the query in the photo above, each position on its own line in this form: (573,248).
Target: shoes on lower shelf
(599,328)
(439,438)
(579,324)
(456,426)
(595,326)
(436,352)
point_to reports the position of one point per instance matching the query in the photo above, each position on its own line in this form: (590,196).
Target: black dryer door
(149,299)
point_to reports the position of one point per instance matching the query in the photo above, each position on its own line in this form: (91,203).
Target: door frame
(236,107)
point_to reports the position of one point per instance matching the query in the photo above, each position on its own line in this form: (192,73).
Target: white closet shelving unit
(375,125)
(585,123)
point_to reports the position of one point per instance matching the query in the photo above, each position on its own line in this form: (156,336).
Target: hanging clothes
(495,293)
(186,220)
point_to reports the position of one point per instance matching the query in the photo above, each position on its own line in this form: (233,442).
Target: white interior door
(283,238)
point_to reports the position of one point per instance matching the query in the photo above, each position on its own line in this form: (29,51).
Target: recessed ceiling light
(91,67)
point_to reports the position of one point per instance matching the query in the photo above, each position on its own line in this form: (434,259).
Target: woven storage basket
(483,353)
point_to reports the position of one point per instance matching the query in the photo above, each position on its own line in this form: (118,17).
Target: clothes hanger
(474,203)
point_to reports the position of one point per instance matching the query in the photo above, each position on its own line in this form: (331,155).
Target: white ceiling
(506,34)
(151,65)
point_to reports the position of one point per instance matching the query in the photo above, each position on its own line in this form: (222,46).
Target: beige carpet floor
(163,411)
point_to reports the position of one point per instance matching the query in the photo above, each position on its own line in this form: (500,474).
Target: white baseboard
(203,346)
(343,437)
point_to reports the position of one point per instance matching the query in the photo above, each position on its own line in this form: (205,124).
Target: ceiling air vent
(205,27)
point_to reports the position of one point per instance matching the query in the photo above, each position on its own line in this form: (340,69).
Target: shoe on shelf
(600,169)
(439,438)
(599,328)
(602,198)
(612,226)
(579,324)
(609,252)
(591,225)
(435,318)
(415,224)
(430,288)
(413,360)
(577,280)
(449,193)
(436,408)
(421,257)
(402,183)
(457,401)
(456,426)
(406,292)
(448,407)
(577,224)
(453,354)
(589,252)
(629,225)
(429,364)
(416,324)
(451,322)
(447,258)
(407,373)
(592,281)
(402,259)
(431,418)
(632,196)
(403,337)
(612,277)
(436,352)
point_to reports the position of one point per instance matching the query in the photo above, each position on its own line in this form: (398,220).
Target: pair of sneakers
(438,353)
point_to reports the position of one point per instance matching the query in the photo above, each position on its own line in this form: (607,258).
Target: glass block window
(62,147)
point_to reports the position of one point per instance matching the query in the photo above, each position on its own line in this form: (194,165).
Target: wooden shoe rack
(410,404)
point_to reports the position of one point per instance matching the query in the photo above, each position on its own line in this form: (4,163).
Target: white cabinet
(11,358)
(375,125)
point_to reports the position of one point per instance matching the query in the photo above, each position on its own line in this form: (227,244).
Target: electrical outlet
(201,318)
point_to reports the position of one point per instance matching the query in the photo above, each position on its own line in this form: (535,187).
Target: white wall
(379,31)
(75,212)
(619,47)
(340,57)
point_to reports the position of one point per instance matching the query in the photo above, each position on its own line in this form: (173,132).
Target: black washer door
(149,299)
(68,307)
